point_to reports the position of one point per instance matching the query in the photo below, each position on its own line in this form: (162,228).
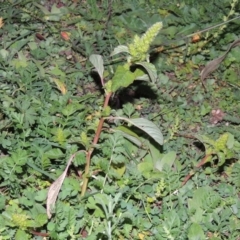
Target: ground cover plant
(119,119)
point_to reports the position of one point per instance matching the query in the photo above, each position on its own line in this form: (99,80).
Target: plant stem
(90,151)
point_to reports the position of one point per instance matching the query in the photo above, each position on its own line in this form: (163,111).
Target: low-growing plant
(126,142)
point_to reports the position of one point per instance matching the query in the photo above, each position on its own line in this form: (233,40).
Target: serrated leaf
(41,195)
(41,69)
(20,157)
(60,135)
(71,108)
(195,232)
(230,141)
(20,235)
(57,72)
(148,127)
(97,62)
(119,49)
(151,70)
(235,174)
(145,167)
(41,219)
(54,153)
(21,61)
(119,170)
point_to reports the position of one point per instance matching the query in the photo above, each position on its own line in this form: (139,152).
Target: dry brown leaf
(214,64)
(56,186)
(1,22)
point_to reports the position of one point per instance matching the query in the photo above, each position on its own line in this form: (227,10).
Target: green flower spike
(140,46)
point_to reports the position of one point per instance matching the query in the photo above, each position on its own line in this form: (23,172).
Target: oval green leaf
(97,62)
(148,127)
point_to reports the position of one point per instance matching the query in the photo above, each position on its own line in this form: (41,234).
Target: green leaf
(130,135)
(3,202)
(60,135)
(188,29)
(18,45)
(41,219)
(122,78)
(145,167)
(40,67)
(167,159)
(140,75)
(51,226)
(97,62)
(44,9)
(235,174)
(120,49)
(57,72)
(230,141)
(20,235)
(41,195)
(21,61)
(144,77)
(152,71)
(171,31)
(120,170)
(71,108)
(20,157)
(31,164)
(54,153)
(148,127)
(4,53)
(195,232)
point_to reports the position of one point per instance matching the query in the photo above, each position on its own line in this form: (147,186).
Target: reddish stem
(39,234)
(90,151)
(202,162)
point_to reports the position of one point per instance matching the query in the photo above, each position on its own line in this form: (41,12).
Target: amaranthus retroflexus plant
(122,78)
